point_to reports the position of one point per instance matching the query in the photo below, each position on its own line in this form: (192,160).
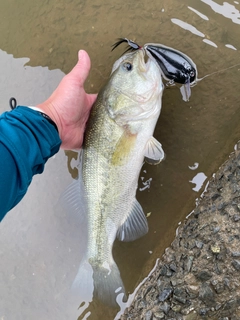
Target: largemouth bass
(119,136)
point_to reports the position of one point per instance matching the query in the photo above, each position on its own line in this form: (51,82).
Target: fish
(118,139)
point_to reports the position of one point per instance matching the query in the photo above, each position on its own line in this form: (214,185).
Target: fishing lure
(176,67)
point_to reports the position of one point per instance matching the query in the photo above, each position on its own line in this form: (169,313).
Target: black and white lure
(175,66)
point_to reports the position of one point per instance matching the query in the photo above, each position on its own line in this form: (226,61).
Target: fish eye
(127,66)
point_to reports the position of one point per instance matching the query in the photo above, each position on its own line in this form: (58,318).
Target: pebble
(191,316)
(199,244)
(159,315)
(176,308)
(206,294)
(173,267)
(165,294)
(165,307)
(236,217)
(215,248)
(219,288)
(186,311)
(236,264)
(189,263)
(203,312)
(236,254)
(204,276)
(148,315)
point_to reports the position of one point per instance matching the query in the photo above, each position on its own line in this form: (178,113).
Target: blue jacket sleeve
(27,141)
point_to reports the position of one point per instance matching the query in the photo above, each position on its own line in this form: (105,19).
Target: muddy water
(40,245)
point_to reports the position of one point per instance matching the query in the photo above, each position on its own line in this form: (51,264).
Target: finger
(82,68)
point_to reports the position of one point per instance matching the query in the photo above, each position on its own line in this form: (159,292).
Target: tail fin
(104,283)
(83,282)
(107,283)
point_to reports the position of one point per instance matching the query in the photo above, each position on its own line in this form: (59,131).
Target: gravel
(198,277)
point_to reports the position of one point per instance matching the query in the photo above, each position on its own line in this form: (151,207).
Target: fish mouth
(145,60)
(149,59)
(148,62)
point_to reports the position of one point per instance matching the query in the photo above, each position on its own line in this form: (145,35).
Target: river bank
(198,277)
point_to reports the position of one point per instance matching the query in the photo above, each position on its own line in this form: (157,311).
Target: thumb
(81,70)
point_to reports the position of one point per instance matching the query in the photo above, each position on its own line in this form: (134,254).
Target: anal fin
(135,226)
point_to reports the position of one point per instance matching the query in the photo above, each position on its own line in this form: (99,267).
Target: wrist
(47,109)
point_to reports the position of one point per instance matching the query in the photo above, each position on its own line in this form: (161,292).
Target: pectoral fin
(135,226)
(154,153)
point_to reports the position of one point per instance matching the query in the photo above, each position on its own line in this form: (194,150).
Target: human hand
(69,106)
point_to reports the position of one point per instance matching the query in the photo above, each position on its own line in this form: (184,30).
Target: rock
(206,294)
(219,288)
(236,217)
(215,248)
(159,315)
(173,267)
(203,312)
(165,307)
(164,294)
(204,276)
(179,295)
(191,316)
(236,254)
(218,306)
(141,304)
(192,291)
(176,308)
(149,315)
(236,264)
(199,244)
(189,263)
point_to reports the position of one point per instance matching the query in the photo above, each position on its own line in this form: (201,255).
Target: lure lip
(152,49)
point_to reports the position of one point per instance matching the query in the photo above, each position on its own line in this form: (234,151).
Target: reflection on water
(40,246)
(201,15)
(226,9)
(198,180)
(28,85)
(188,27)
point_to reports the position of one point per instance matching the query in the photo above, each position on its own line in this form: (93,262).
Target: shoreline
(198,276)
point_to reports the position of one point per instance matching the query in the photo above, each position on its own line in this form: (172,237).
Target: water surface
(40,246)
